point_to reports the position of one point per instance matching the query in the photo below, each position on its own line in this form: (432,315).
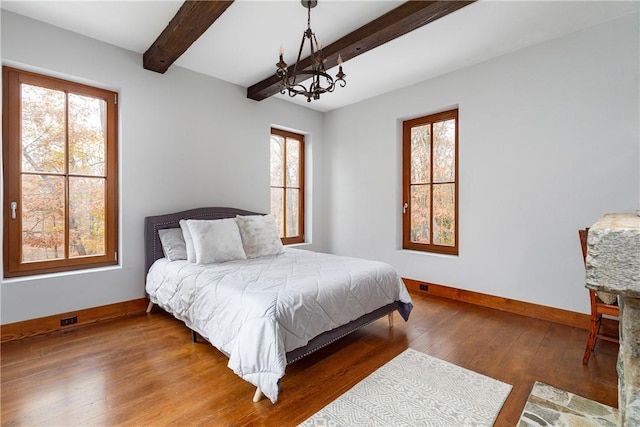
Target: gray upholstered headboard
(152,245)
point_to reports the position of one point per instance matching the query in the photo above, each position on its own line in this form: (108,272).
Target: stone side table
(613,265)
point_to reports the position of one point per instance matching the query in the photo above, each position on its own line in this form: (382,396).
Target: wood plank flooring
(144,370)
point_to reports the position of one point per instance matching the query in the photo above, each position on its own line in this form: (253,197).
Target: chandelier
(321,82)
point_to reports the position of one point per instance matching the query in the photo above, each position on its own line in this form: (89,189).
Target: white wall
(549,141)
(186,140)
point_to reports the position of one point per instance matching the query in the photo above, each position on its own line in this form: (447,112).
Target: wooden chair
(598,308)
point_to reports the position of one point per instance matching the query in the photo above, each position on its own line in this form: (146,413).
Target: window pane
(429,187)
(293,162)
(86,216)
(444,151)
(420,154)
(277,208)
(42,129)
(61,141)
(420,212)
(277,161)
(42,217)
(293,208)
(87,135)
(444,214)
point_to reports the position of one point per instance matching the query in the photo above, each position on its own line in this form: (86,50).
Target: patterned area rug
(415,389)
(550,406)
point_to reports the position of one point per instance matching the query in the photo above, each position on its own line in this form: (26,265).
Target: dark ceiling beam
(399,21)
(191,21)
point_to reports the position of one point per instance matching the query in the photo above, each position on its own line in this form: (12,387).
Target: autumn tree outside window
(287,184)
(60,174)
(430,183)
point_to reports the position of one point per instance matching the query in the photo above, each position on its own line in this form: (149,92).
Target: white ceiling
(242,45)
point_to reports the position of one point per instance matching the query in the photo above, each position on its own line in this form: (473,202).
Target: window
(60,174)
(287,184)
(430,183)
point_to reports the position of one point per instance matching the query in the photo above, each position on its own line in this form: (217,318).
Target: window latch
(404,208)
(14,206)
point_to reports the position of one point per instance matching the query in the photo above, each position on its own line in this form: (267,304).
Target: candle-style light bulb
(281,65)
(341,75)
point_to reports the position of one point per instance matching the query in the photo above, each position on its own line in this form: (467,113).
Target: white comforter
(257,310)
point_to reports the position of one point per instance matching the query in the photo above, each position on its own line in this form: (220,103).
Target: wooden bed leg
(149,307)
(390,316)
(257,395)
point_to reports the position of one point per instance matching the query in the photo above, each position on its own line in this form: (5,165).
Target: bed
(262,311)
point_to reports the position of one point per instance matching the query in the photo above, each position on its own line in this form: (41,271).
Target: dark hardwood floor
(144,370)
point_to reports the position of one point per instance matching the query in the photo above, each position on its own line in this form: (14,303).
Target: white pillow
(191,252)
(173,244)
(216,240)
(260,235)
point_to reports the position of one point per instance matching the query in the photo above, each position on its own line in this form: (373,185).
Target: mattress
(257,310)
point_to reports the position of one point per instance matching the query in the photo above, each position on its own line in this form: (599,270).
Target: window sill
(435,254)
(298,245)
(61,274)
